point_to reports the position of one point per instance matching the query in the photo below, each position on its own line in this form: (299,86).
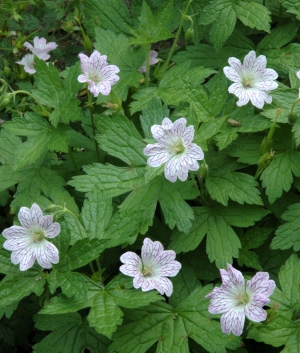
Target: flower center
(146,272)
(95,77)
(247,82)
(37,236)
(178,148)
(243,298)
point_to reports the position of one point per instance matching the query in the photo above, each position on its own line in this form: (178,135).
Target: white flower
(252,81)
(28,63)
(150,272)
(174,147)
(235,300)
(40,48)
(28,241)
(153,60)
(97,73)
(298,75)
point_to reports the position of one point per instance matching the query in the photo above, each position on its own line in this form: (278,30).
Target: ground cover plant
(149,176)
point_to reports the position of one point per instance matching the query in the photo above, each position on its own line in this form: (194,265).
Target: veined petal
(153,55)
(163,257)
(129,270)
(16,243)
(259,300)
(36,213)
(174,169)
(231,74)
(195,152)
(256,97)
(157,131)
(255,313)
(45,221)
(15,232)
(167,270)
(109,73)
(266,85)
(25,219)
(188,135)
(233,320)
(53,230)
(249,60)
(261,284)
(235,64)
(104,88)
(150,250)
(84,64)
(97,62)
(163,285)
(179,127)
(166,124)
(46,253)
(25,257)
(260,64)
(82,78)
(158,159)
(269,74)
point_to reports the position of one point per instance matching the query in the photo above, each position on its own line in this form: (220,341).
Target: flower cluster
(235,300)
(40,48)
(175,148)
(97,73)
(28,241)
(150,272)
(152,60)
(252,81)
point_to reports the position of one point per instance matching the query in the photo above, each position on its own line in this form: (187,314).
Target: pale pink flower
(235,300)
(97,73)
(40,47)
(252,81)
(150,272)
(28,63)
(28,241)
(153,60)
(175,148)
(298,75)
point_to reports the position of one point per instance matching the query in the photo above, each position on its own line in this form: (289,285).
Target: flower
(28,63)
(153,60)
(235,300)
(150,272)
(28,241)
(97,73)
(40,48)
(174,147)
(252,81)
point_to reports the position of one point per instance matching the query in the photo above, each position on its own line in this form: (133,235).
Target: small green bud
(7,71)
(189,35)
(292,118)
(87,43)
(4,103)
(68,26)
(203,170)
(265,146)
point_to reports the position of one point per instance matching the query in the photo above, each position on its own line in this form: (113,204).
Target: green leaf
(120,138)
(71,83)
(279,36)
(113,15)
(143,97)
(71,283)
(31,124)
(66,110)
(223,17)
(171,326)
(222,242)
(249,259)
(59,140)
(9,143)
(152,28)
(48,84)
(153,114)
(239,187)
(253,15)
(72,334)
(278,176)
(176,211)
(292,6)
(121,54)
(105,314)
(113,180)
(96,213)
(287,235)
(13,288)
(289,277)
(254,237)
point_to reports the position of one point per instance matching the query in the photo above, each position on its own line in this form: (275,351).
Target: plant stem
(92,267)
(98,264)
(166,64)
(90,103)
(147,48)
(293,106)
(37,102)
(73,161)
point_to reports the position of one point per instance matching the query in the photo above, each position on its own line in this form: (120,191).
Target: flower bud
(265,146)
(68,26)
(292,118)
(203,170)
(7,71)
(87,43)
(5,100)
(189,35)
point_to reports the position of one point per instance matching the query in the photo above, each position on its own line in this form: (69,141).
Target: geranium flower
(235,300)
(153,60)
(252,81)
(40,48)
(28,241)
(28,63)
(97,73)
(174,147)
(150,272)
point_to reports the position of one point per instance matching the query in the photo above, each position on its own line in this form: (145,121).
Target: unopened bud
(68,26)
(7,71)
(203,170)
(292,118)
(265,146)
(189,35)
(5,100)
(87,43)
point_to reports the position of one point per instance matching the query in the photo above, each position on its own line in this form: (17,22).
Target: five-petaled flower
(235,300)
(28,241)
(40,47)
(152,60)
(174,147)
(150,272)
(97,73)
(252,81)
(28,63)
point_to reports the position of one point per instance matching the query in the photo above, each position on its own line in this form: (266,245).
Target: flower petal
(53,230)
(163,285)
(131,258)
(129,270)
(25,257)
(25,217)
(233,320)
(15,232)
(249,60)
(97,62)
(167,270)
(255,313)
(36,213)
(84,63)
(236,65)
(231,74)
(260,284)
(46,253)
(150,250)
